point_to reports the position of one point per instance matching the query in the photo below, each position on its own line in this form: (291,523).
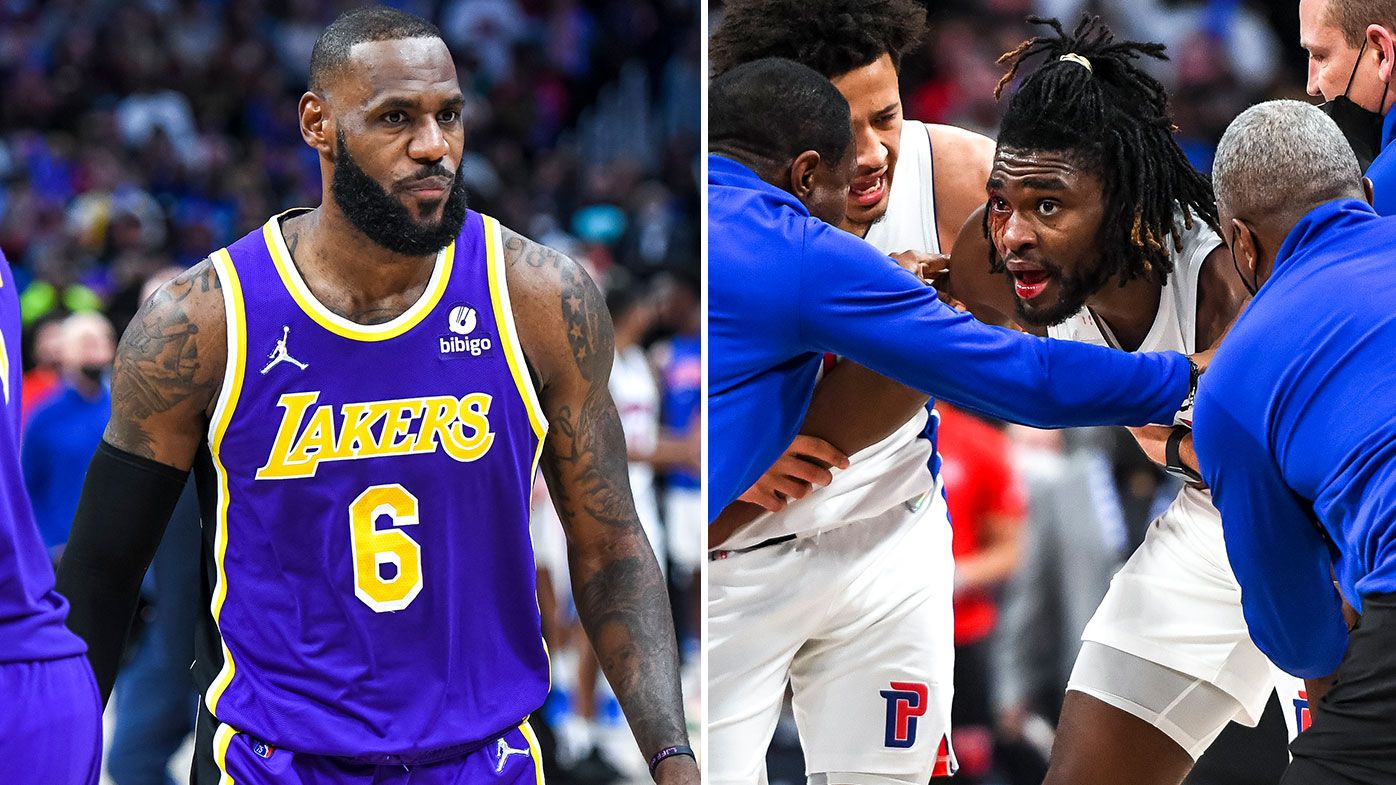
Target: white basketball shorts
(1174,610)
(857,621)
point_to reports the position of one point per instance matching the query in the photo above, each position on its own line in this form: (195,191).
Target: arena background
(137,136)
(1224,56)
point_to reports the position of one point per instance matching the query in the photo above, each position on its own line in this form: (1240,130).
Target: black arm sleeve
(125,506)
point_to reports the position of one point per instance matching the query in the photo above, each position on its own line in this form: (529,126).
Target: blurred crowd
(140,135)
(1224,55)
(1043,519)
(145,134)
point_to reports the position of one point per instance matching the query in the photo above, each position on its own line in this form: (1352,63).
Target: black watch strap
(1194,376)
(1174,464)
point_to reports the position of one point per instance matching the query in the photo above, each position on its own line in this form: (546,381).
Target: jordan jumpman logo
(502,751)
(279,354)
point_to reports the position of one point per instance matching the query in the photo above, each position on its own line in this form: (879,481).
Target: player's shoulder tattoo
(584,318)
(521,250)
(170,357)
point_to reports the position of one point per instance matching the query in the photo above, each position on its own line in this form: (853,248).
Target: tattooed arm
(168,369)
(620,593)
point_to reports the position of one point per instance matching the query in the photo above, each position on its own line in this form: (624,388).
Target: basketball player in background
(636,393)
(680,363)
(1097,229)
(369,575)
(914,186)
(51,726)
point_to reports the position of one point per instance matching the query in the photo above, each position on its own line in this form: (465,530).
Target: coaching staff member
(1295,428)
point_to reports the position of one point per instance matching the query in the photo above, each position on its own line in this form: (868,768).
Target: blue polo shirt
(1383,169)
(784,287)
(1295,431)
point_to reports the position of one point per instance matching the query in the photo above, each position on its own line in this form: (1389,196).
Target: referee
(1295,428)
(785,286)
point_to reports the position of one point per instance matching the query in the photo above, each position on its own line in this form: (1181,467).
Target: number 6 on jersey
(373,548)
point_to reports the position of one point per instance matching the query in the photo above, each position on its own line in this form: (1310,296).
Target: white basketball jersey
(1174,329)
(910,221)
(636,393)
(1175,325)
(894,470)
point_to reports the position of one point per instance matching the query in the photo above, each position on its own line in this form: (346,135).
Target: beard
(1075,290)
(380,215)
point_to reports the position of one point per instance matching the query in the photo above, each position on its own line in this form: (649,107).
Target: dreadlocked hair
(1111,119)
(831,36)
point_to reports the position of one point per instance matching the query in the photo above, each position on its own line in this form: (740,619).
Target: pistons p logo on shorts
(906,701)
(1302,718)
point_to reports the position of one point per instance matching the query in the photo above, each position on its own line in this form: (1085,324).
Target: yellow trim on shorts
(222,737)
(533,749)
(295,285)
(222,416)
(504,322)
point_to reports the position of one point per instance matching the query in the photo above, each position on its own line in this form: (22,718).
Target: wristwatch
(1194,376)
(1174,465)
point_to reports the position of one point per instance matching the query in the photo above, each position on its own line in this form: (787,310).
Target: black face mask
(1362,128)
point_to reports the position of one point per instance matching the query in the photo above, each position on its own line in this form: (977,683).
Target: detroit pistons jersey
(1174,329)
(31,612)
(366,490)
(905,464)
(1175,324)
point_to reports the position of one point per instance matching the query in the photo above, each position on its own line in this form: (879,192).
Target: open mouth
(1028,284)
(868,191)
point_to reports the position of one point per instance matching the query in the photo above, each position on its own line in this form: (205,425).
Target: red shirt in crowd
(980,481)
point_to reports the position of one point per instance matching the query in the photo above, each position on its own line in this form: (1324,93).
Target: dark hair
(623,292)
(374,23)
(831,36)
(1111,119)
(769,111)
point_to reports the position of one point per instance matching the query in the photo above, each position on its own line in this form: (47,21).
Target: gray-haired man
(1295,428)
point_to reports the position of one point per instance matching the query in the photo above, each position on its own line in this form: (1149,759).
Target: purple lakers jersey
(31,612)
(372,580)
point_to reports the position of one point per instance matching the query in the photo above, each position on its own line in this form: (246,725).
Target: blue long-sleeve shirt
(1295,431)
(59,441)
(1383,169)
(784,287)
